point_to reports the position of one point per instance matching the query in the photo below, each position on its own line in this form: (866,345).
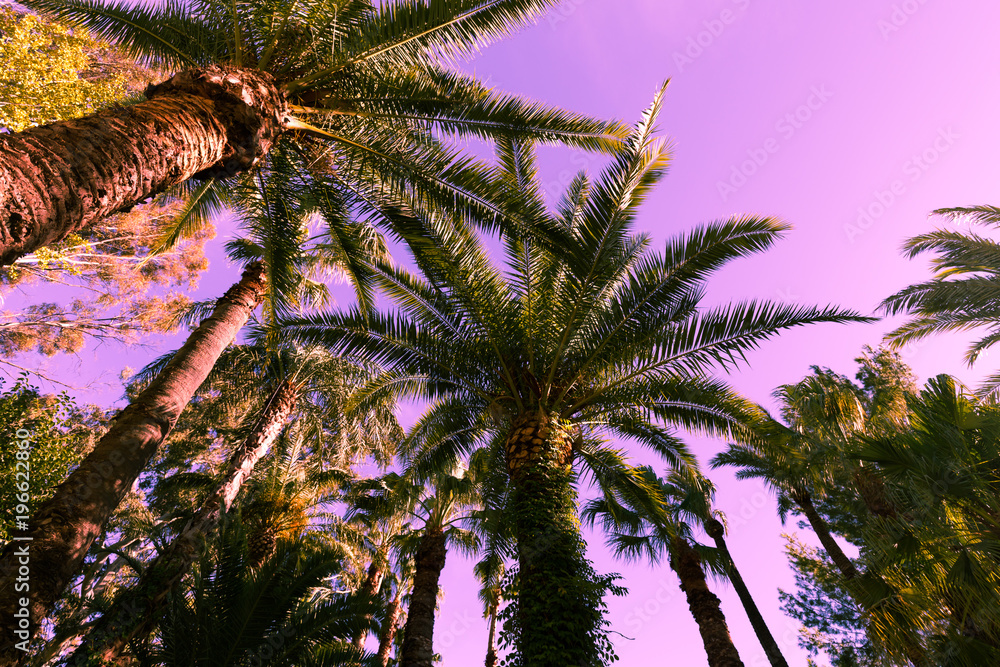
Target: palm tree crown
(564,347)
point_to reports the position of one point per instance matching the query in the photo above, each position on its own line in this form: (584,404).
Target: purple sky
(811,112)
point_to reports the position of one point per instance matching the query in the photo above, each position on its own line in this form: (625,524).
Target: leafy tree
(832,623)
(57,434)
(371,76)
(596,338)
(52,72)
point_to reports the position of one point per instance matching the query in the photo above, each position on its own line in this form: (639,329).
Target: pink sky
(810,112)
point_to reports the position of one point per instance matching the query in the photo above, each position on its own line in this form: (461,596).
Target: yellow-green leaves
(49,72)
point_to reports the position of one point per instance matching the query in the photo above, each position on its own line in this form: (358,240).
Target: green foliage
(284,613)
(59,434)
(831,622)
(49,72)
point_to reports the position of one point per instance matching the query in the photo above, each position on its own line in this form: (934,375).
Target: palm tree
(599,336)
(283,612)
(963,293)
(432,508)
(657,522)
(63,528)
(370,76)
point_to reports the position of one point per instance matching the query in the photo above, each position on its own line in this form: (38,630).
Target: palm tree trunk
(822,530)
(704,606)
(120,624)
(418,634)
(557,619)
(58,178)
(389,629)
(491,642)
(370,588)
(50,552)
(716,532)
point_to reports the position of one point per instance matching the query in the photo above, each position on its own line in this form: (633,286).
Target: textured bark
(370,587)
(491,641)
(58,178)
(388,634)
(418,634)
(63,528)
(764,636)
(822,530)
(704,606)
(872,490)
(135,615)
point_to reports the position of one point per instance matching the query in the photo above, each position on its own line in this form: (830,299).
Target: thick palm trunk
(556,617)
(717,533)
(50,551)
(804,501)
(704,606)
(135,615)
(388,634)
(58,178)
(370,588)
(418,634)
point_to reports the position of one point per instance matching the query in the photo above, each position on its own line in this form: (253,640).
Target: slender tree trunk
(491,641)
(716,532)
(58,178)
(558,621)
(704,606)
(822,530)
(370,587)
(136,613)
(389,629)
(41,560)
(418,634)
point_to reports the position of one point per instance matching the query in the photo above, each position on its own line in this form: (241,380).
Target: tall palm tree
(63,528)
(372,77)
(651,524)
(963,293)
(597,337)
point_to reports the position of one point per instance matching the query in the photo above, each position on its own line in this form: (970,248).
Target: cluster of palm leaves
(288,517)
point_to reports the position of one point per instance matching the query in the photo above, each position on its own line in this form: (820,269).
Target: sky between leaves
(851,120)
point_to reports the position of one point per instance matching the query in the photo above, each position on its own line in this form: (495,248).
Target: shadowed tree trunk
(51,549)
(491,641)
(418,634)
(370,587)
(136,613)
(389,629)
(716,531)
(804,501)
(704,606)
(58,178)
